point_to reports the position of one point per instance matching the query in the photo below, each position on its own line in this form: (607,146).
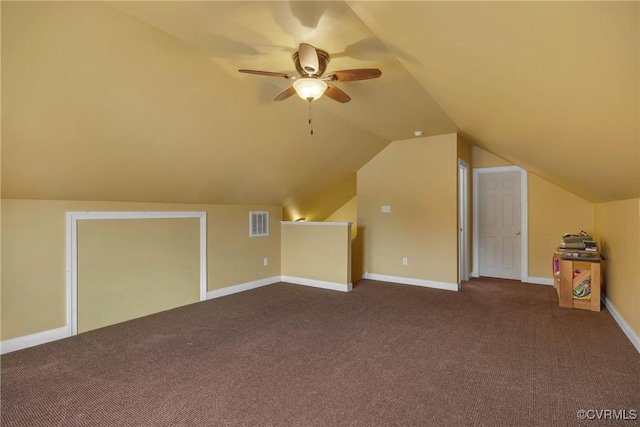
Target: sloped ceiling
(142,101)
(551,86)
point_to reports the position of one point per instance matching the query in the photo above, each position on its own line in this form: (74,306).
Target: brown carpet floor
(498,352)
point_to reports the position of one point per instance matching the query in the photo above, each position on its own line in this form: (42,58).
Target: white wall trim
(524,215)
(539,280)
(463,221)
(318,283)
(334,223)
(26,341)
(234,289)
(72,251)
(38,338)
(411,281)
(633,337)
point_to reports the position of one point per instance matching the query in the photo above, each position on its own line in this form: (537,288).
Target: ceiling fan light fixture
(309,88)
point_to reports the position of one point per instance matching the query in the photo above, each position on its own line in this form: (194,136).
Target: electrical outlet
(405,261)
(385,209)
(266,262)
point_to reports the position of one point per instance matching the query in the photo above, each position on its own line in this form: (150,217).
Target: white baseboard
(26,341)
(318,283)
(44,337)
(411,281)
(539,281)
(217,293)
(529,279)
(19,343)
(633,337)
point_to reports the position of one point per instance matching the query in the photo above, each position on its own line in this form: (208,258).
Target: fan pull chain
(310,119)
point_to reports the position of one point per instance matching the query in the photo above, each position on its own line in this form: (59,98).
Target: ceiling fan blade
(268,73)
(308,57)
(337,94)
(285,94)
(353,75)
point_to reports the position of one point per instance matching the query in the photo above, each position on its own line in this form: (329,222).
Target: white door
(499,243)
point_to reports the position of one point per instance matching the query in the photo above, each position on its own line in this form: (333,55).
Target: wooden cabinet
(577,279)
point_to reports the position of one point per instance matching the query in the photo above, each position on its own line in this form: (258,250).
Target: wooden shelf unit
(564,279)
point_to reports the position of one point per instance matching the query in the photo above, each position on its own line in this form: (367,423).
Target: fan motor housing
(323,60)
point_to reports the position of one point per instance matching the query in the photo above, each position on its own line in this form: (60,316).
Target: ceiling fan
(311,83)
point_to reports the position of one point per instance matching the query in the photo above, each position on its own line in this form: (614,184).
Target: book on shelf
(579,254)
(590,245)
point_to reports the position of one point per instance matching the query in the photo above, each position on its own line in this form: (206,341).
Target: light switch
(386,209)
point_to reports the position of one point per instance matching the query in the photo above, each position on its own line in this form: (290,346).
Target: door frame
(72,251)
(524,211)
(463,221)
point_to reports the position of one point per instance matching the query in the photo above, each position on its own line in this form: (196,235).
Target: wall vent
(258,223)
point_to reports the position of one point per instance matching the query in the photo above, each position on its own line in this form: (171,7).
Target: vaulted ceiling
(142,101)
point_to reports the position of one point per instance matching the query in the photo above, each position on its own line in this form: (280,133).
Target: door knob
(517,232)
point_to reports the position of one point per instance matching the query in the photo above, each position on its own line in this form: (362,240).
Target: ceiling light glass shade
(309,88)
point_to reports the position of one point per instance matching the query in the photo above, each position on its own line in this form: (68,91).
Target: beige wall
(465,149)
(129,268)
(484,159)
(317,251)
(617,229)
(417,178)
(347,213)
(319,206)
(553,211)
(33,265)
